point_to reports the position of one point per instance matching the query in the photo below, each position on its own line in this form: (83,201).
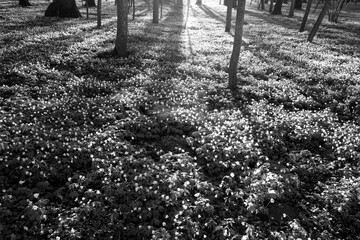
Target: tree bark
(318,21)
(298,4)
(292,7)
(336,13)
(122,28)
(271,6)
(228,15)
(277,7)
(63,9)
(156,11)
(91,3)
(306,15)
(262,4)
(24,3)
(237,44)
(99,13)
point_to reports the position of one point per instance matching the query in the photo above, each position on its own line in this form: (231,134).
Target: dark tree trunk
(298,4)
(277,7)
(237,44)
(91,3)
(318,21)
(262,5)
(306,15)
(99,14)
(228,15)
(24,3)
(156,11)
(271,6)
(292,7)
(122,28)
(63,9)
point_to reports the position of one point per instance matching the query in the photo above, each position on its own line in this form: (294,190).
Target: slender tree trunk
(318,21)
(133,3)
(228,15)
(161,8)
(271,6)
(87,9)
(292,7)
(156,11)
(335,15)
(99,13)
(277,7)
(306,15)
(122,28)
(237,44)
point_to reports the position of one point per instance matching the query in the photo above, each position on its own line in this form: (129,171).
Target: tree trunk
(292,7)
(91,3)
(99,13)
(156,11)
(199,2)
(24,3)
(228,15)
(298,4)
(336,13)
(237,44)
(318,21)
(122,28)
(63,9)
(277,7)
(306,15)
(271,6)
(262,4)
(133,7)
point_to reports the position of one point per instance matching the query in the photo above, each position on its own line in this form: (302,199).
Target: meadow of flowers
(154,146)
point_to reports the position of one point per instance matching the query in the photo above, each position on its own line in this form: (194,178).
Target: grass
(154,146)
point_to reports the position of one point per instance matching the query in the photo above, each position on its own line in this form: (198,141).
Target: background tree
(99,13)
(122,28)
(228,15)
(90,3)
(334,14)
(63,9)
(239,26)
(298,4)
(306,15)
(277,7)
(156,11)
(198,2)
(24,3)
(271,6)
(319,20)
(262,5)
(292,7)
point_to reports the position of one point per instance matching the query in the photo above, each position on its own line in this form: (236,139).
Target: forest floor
(154,146)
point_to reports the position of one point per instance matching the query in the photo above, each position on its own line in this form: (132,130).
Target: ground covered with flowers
(154,146)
